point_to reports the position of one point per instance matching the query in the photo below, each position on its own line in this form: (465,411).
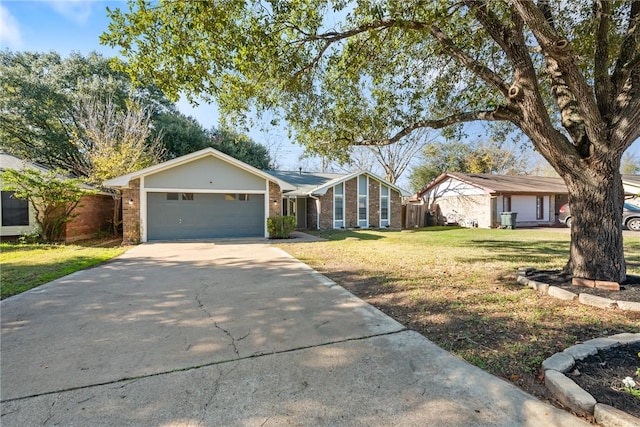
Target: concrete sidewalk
(211,334)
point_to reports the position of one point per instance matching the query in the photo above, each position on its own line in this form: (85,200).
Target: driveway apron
(229,333)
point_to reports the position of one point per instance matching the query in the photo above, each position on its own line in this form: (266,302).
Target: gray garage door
(195,215)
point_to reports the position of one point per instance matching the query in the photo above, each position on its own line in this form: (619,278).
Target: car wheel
(634,224)
(567,222)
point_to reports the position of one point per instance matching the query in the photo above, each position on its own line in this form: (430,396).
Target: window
(187,196)
(384,206)
(506,203)
(172,196)
(338,206)
(14,211)
(363,201)
(539,207)
(240,197)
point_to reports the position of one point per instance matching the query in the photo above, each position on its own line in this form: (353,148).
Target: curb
(583,298)
(572,395)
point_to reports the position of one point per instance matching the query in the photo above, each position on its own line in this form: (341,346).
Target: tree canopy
(566,74)
(75,112)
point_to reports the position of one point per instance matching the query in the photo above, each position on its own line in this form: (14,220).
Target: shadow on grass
(525,252)
(337,235)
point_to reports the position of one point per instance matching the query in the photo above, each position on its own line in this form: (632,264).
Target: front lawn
(25,266)
(457,287)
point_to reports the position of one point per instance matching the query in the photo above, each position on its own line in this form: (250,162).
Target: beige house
(478,200)
(208,194)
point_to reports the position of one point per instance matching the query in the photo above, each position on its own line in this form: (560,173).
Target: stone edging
(572,395)
(583,298)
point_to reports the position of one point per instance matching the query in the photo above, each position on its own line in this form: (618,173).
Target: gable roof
(512,184)
(123,181)
(317,183)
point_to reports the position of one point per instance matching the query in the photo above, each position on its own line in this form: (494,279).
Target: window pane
(187,196)
(14,211)
(362,185)
(338,209)
(339,189)
(172,196)
(539,207)
(384,208)
(384,190)
(362,207)
(229,196)
(243,197)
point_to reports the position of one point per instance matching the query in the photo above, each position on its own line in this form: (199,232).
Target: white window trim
(388,220)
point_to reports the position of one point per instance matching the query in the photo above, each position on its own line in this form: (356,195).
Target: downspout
(317,210)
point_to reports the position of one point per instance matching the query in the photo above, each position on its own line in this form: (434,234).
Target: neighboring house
(208,194)
(477,200)
(93,213)
(631,185)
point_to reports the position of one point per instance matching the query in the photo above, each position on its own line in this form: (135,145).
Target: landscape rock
(561,362)
(569,393)
(525,271)
(581,351)
(608,416)
(596,301)
(626,338)
(629,305)
(523,280)
(560,293)
(602,343)
(538,286)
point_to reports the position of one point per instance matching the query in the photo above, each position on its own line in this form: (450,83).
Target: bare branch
(499,114)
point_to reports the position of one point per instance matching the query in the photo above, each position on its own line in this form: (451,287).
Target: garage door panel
(206,216)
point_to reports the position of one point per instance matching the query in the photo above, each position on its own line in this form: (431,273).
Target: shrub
(280,227)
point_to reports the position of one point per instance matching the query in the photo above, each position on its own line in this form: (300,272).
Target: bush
(280,227)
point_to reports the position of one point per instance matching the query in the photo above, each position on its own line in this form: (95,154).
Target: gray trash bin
(508,219)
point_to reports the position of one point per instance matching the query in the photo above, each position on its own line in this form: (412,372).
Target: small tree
(52,196)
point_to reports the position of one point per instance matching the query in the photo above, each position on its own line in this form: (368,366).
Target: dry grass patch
(457,287)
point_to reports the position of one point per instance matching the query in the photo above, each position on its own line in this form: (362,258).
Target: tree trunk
(596,198)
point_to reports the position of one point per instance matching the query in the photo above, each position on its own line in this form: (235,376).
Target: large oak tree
(565,73)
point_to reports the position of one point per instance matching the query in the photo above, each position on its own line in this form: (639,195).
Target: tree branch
(558,49)
(601,59)
(629,58)
(484,72)
(499,114)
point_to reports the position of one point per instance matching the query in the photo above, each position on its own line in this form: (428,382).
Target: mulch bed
(601,375)
(629,290)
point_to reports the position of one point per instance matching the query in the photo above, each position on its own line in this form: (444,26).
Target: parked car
(630,216)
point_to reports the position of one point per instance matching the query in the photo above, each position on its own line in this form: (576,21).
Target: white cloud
(77,11)
(10,35)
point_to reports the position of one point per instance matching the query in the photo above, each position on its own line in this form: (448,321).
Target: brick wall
(93,214)
(326,210)
(396,210)
(131,232)
(275,209)
(374,203)
(351,203)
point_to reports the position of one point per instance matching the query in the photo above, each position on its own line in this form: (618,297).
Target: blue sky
(75,25)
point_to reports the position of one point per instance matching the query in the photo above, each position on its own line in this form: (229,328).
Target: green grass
(25,266)
(457,287)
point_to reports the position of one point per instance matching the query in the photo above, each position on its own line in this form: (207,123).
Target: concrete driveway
(219,333)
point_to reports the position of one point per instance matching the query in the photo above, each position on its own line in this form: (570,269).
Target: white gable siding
(208,173)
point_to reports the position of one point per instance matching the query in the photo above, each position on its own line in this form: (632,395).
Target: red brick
(611,286)
(588,283)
